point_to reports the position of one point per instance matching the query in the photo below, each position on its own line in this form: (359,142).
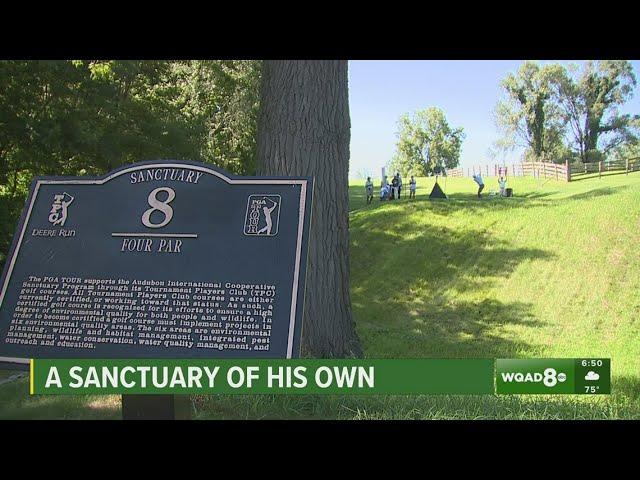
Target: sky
(467,91)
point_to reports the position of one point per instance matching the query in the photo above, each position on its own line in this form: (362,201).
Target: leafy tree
(222,98)
(590,104)
(630,149)
(86,117)
(426,143)
(530,116)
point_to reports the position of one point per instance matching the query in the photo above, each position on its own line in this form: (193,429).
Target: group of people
(502,184)
(390,191)
(393,190)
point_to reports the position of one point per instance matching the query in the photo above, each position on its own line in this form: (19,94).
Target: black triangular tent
(437,192)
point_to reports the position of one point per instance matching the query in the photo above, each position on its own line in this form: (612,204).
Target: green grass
(552,272)
(16,404)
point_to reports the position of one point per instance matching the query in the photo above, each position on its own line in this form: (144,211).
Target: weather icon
(593,376)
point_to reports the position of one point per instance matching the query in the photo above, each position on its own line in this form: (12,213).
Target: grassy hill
(552,272)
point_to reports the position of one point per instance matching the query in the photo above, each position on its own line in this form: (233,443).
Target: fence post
(626,167)
(568,168)
(600,169)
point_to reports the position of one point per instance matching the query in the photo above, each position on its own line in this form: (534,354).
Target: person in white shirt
(502,182)
(384,192)
(412,187)
(478,179)
(369,190)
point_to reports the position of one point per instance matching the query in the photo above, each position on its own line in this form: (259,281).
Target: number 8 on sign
(161,206)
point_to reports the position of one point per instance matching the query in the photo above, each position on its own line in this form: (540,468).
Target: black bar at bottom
(156,407)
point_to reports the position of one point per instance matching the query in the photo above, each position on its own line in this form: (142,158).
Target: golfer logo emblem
(60,209)
(263,215)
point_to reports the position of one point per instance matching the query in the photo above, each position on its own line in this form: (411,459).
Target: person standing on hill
(394,187)
(478,179)
(502,183)
(399,184)
(412,187)
(369,189)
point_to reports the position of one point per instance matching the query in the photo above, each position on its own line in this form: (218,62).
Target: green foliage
(626,151)
(590,99)
(77,117)
(222,99)
(426,143)
(544,103)
(87,117)
(530,115)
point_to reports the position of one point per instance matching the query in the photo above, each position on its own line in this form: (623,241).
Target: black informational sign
(154,260)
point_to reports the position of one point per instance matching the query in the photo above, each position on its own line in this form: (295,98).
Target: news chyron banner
(323,376)
(161,259)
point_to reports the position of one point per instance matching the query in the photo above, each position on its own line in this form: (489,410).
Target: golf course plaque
(163,259)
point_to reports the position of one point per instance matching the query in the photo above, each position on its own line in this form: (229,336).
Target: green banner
(317,376)
(308,376)
(588,376)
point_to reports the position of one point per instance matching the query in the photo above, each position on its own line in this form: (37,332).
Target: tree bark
(304,129)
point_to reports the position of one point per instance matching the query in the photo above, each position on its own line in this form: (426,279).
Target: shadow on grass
(407,289)
(598,192)
(469,202)
(17,404)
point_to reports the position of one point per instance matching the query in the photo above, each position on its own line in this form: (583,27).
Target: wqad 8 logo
(551,377)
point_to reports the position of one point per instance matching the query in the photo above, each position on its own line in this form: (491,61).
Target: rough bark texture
(304,129)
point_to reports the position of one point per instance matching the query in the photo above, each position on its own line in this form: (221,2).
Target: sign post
(156,407)
(164,259)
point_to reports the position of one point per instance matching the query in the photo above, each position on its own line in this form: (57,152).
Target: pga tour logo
(60,209)
(550,377)
(263,215)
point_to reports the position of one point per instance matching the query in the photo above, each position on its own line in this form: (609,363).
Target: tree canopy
(88,117)
(590,102)
(426,143)
(558,113)
(529,116)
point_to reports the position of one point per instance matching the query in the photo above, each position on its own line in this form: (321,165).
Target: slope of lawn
(552,272)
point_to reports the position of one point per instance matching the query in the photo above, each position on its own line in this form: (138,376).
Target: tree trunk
(304,129)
